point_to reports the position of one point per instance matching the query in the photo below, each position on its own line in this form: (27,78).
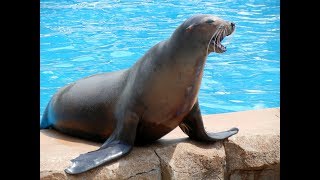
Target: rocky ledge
(252,154)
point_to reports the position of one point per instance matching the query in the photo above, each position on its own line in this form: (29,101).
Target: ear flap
(189,28)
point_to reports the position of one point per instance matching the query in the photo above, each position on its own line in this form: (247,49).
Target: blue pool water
(80,38)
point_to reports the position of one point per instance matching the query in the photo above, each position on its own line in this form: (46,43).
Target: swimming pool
(80,38)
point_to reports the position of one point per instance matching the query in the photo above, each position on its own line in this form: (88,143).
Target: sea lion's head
(206,32)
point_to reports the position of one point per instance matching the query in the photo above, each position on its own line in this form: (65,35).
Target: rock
(252,154)
(190,160)
(57,150)
(52,175)
(265,174)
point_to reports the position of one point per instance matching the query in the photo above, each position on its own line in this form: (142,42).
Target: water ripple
(79,38)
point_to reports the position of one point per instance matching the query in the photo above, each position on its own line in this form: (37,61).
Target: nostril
(233,24)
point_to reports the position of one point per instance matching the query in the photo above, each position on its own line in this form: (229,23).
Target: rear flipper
(118,145)
(192,125)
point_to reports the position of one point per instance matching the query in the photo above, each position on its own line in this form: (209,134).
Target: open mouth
(216,45)
(216,42)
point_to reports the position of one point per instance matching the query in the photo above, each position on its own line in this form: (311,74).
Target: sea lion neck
(182,51)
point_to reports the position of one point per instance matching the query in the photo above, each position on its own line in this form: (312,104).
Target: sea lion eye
(210,21)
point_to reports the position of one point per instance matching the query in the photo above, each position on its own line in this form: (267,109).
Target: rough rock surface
(192,161)
(252,154)
(57,151)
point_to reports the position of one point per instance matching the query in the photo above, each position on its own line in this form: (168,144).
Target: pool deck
(253,152)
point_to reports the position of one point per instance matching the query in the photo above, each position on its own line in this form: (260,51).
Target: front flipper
(93,159)
(118,145)
(192,125)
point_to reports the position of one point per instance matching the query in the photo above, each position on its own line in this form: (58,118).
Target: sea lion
(145,102)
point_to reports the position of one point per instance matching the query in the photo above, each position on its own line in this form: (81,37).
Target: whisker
(219,37)
(213,36)
(229,38)
(219,34)
(222,34)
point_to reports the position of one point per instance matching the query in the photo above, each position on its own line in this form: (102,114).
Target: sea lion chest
(167,97)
